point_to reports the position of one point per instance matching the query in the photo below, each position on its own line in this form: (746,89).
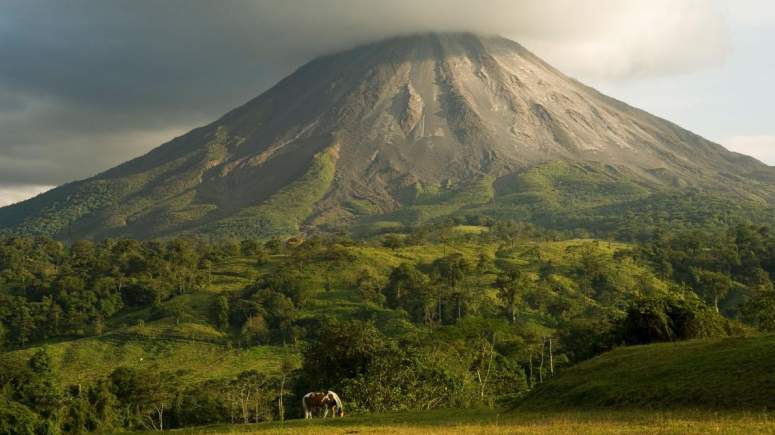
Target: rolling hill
(728,373)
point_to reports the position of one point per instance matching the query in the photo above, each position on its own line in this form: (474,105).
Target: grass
(720,373)
(432,204)
(234,274)
(89,359)
(494,422)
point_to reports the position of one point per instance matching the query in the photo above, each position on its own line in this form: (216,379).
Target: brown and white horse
(328,401)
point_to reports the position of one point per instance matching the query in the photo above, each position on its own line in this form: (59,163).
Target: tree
(40,362)
(201,404)
(369,284)
(484,365)
(760,308)
(22,323)
(669,318)
(451,269)
(485,263)
(286,367)
(221,313)
(253,395)
(409,289)
(591,265)
(581,339)
(103,405)
(343,349)
(288,282)
(392,241)
(256,331)
(511,284)
(713,286)
(145,393)
(281,314)
(140,295)
(40,391)
(250,247)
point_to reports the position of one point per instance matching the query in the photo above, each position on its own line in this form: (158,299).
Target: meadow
(511,422)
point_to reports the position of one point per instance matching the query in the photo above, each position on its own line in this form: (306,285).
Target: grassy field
(493,422)
(87,360)
(721,373)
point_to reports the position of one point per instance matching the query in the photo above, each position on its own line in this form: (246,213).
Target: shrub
(16,418)
(670,318)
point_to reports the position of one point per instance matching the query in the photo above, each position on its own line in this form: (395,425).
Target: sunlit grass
(494,422)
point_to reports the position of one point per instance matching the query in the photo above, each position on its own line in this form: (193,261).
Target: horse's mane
(337,399)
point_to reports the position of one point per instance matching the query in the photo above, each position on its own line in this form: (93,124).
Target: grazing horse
(328,401)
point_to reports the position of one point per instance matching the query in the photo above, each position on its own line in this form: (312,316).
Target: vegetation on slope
(579,200)
(427,203)
(455,315)
(285,211)
(720,373)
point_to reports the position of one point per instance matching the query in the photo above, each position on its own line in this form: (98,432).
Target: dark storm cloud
(85,85)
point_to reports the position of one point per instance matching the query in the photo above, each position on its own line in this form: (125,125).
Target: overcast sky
(85,85)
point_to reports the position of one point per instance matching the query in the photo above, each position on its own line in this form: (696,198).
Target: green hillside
(723,373)
(576,198)
(456,315)
(179,333)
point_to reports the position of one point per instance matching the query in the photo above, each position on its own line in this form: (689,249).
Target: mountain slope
(402,128)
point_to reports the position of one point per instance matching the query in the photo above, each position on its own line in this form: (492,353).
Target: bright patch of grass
(87,360)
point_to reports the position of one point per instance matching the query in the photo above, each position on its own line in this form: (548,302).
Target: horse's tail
(305,405)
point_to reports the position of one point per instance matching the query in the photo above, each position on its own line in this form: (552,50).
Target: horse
(328,401)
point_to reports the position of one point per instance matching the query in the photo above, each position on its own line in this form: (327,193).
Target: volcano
(402,131)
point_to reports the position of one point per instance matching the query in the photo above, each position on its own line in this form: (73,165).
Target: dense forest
(455,314)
